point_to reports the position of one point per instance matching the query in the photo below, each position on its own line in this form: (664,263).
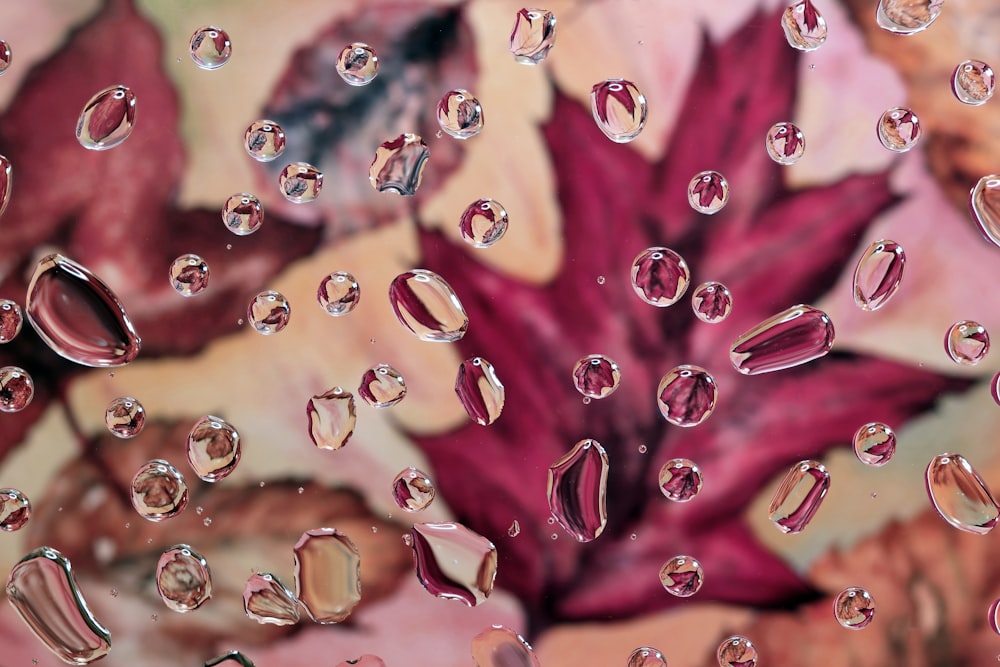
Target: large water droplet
(874,444)
(183,579)
(660,276)
(233,656)
(646,656)
(877,275)
(805,28)
(210,47)
(577,489)
(960,495)
(619,109)
(213,448)
(16,389)
(338,293)
(967,342)
(78,316)
(5,56)
(737,651)
(264,140)
(793,337)
(242,214)
(42,589)
(906,17)
(533,35)
(479,390)
(426,305)
(682,576)
(158,491)
(973,82)
(399,165)
(189,275)
(107,119)
(686,395)
(11,320)
(799,496)
(382,386)
(785,142)
(453,562)
(269,312)
(483,223)
(984,203)
(854,608)
(332,418)
(680,480)
(357,64)
(708,192)
(125,417)
(596,376)
(497,646)
(413,490)
(266,600)
(712,302)
(6,181)
(327,574)
(460,114)
(899,129)
(300,182)
(15,510)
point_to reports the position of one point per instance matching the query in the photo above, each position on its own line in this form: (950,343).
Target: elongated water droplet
(413,490)
(233,656)
(267,601)
(899,129)
(382,386)
(357,64)
(874,444)
(646,656)
(210,47)
(805,28)
(854,608)
(984,203)
(44,592)
(712,302)
(479,390)
(454,562)
(498,646)
(332,418)
(125,417)
(515,529)
(905,17)
(785,143)
(682,576)
(878,274)
(799,496)
(183,579)
(11,320)
(213,448)
(426,305)
(16,389)
(460,114)
(793,337)
(737,651)
(577,489)
(619,109)
(967,342)
(300,182)
(708,192)
(960,495)
(107,119)
(660,276)
(399,165)
(269,312)
(533,35)
(242,214)
(264,140)
(15,510)
(78,316)
(5,56)
(189,275)
(338,293)
(680,480)
(483,223)
(596,376)
(158,491)
(6,181)
(972,82)
(686,395)
(327,574)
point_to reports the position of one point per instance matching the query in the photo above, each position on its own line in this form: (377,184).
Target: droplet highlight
(533,35)
(899,129)
(264,140)
(454,562)
(183,579)
(338,294)
(960,495)
(799,496)
(125,417)
(973,82)
(300,182)
(791,338)
(619,109)
(460,114)
(708,192)
(906,17)
(158,491)
(483,223)
(686,395)
(399,165)
(499,646)
(16,389)
(213,448)
(480,391)
(107,119)
(854,608)
(660,276)
(267,601)
(15,510)
(242,214)
(413,490)
(382,386)
(427,305)
(878,274)
(189,275)
(785,142)
(357,64)
(577,488)
(805,28)
(210,47)
(327,575)
(332,418)
(737,651)
(967,342)
(680,480)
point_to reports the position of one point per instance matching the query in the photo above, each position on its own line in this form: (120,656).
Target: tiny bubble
(874,495)
(111,374)
(301,490)
(643,449)
(586,400)
(633,537)
(207,521)
(551,520)
(153,617)
(372,341)
(59,510)
(229,246)
(407,539)
(198,510)
(127,525)
(114,592)
(641,42)
(600,280)
(262,484)
(438,134)
(34,661)
(374,529)
(812,66)
(149,540)
(239,322)
(554,536)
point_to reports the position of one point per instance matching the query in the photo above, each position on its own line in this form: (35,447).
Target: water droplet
(332,418)
(596,376)
(555,536)
(642,449)
(78,316)
(854,608)
(357,64)
(125,417)
(264,140)
(183,579)
(189,275)
(11,320)
(6,181)
(267,601)
(660,276)
(708,192)
(646,656)
(301,490)
(791,338)
(5,56)
(515,529)
(158,491)
(15,510)
(533,35)
(973,82)
(210,47)
(874,444)
(42,589)
(459,114)
(877,275)
(619,109)
(899,129)
(906,17)
(577,489)
(737,651)
(785,142)
(711,302)
(601,280)
(805,28)
(327,574)
(338,293)
(399,165)
(242,214)
(994,618)
(413,490)
(114,592)
(366,660)
(984,202)
(686,395)
(479,390)
(799,496)
(107,119)
(453,562)
(680,480)
(16,389)
(213,448)
(207,521)
(426,305)
(269,312)
(232,656)
(199,510)
(483,223)
(967,342)
(300,182)
(382,386)
(498,646)
(960,495)
(682,576)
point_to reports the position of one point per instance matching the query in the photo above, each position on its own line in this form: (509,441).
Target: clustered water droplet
(332,418)
(413,490)
(454,562)
(15,510)
(799,496)
(399,165)
(427,305)
(5,56)
(242,214)
(300,182)
(357,64)
(596,376)
(125,417)
(267,601)
(189,275)
(878,274)
(338,293)
(619,109)
(854,608)
(973,82)
(158,491)
(737,651)
(712,302)
(785,142)
(874,444)
(906,17)
(269,312)
(533,35)
(899,129)
(686,395)
(460,114)
(210,47)
(483,223)
(16,389)
(804,26)
(480,391)
(382,386)
(967,342)
(960,495)
(708,192)
(11,320)
(682,576)
(646,656)
(577,488)
(984,203)
(680,480)
(793,337)
(264,140)
(327,575)
(660,276)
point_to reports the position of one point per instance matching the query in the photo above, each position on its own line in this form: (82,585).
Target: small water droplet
(183,579)
(660,276)
(533,35)
(483,223)
(708,192)
(426,305)
(682,576)
(642,449)
(480,391)
(15,510)
(973,82)
(577,488)
(646,656)
(11,320)
(213,448)
(454,562)
(551,520)
(107,119)
(737,651)
(267,601)
(158,491)
(601,280)
(515,529)
(189,275)
(269,312)
(680,480)
(327,574)
(785,142)
(114,592)
(791,338)
(16,389)
(357,64)
(125,417)
(711,302)
(207,521)
(460,114)
(413,490)
(154,618)
(242,214)
(332,418)
(812,65)
(984,203)
(264,140)
(408,539)
(210,47)
(686,395)
(878,274)
(805,28)
(874,444)
(854,608)
(301,490)
(338,293)
(899,129)
(555,536)
(5,56)
(399,165)
(967,342)
(498,646)
(619,109)
(799,496)
(905,17)
(382,386)
(300,182)
(960,495)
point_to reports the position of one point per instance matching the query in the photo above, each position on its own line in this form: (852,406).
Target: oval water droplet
(660,276)
(15,510)
(805,28)
(158,491)
(210,47)
(619,109)
(905,17)
(533,35)
(183,579)
(327,574)
(793,337)
(78,316)
(483,223)
(967,342)
(711,302)
(708,192)
(426,305)
(338,293)
(332,418)
(125,417)
(874,444)
(682,576)
(984,203)
(680,480)
(454,562)
(899,129)
(357,64)
(686,395)
(460,114)
(6,181)
(5,56)
(878,274)
(596,376)
(11,320)
(854,608)
(577,490)
(189,275)
(972,82)
(267,601)
(737,651)
(42,589)
(646,656)
(233,656)
(399,165)
(382,386)
(799,496)
(107,119)
(242,214)
(785,143)
(960,495)
(413,490)
(264,140)
(269,312)
(479,390)
(213,448)
(16,389)
(498,646)
(300,182)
